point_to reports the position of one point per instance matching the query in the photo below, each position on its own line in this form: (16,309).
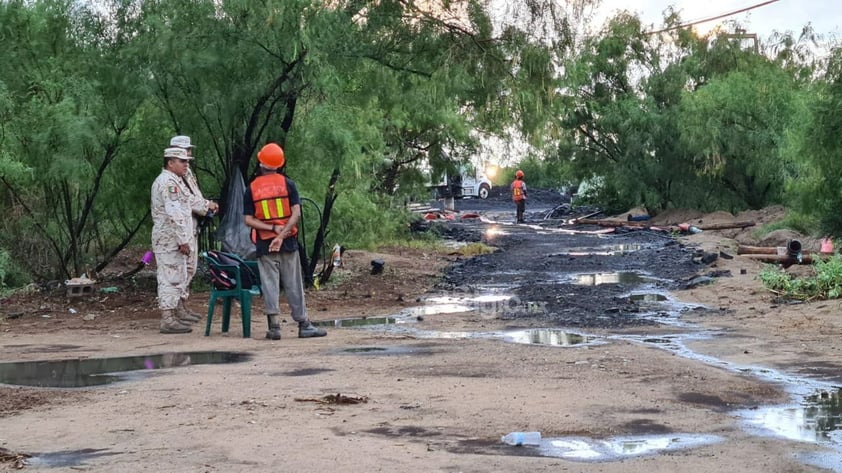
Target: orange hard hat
(519,173)
(272,156)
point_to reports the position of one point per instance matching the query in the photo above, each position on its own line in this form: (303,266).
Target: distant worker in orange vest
(519,195)
(272,208)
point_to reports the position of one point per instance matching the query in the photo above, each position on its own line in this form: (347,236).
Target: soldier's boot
(274,332)
(307,330)
(185,315)
(171,324)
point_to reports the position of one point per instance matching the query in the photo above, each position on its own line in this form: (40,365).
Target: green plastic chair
(228,295)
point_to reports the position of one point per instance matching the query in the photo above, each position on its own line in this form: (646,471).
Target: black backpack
(222,278)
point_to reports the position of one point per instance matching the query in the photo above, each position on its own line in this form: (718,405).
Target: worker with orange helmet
(518,188)
(272,209)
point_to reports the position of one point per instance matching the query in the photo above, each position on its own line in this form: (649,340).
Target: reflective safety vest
(517,190)
(271,204)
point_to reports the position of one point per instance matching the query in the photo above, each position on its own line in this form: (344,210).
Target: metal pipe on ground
(793,248)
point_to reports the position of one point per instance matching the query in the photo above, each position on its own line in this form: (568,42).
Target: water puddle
(358,322)
(604,250)
(492,232)
(100,371)
(597,279)
(486,303)
(660,307)
(817,419)
(538,336)
(548,336)
(650,297)
(71,458)
(387,350)
(620,448)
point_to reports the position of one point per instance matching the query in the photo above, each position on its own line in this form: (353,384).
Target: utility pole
(741,34)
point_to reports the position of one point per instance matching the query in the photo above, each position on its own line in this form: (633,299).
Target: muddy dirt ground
(628,351)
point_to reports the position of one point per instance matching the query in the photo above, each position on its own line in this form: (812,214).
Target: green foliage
(361,222)
(678,120)
(826,283)
(10,275)
(382,93)
(90,94)
(818,146)
(540,173)
(735,125)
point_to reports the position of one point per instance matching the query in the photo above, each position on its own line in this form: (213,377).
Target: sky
(783,15)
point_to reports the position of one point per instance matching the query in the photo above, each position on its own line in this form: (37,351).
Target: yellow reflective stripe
(279,203)
(265,207)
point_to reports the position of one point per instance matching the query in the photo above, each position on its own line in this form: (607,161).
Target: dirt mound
(780,237)
(763,216)
(784,236)
(744,236)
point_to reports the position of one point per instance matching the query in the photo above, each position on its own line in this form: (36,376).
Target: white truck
(463,185)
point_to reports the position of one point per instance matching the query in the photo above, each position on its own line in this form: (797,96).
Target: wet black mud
(535,264)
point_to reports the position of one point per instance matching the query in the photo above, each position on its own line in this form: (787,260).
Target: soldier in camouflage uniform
(200,208)
(172,238)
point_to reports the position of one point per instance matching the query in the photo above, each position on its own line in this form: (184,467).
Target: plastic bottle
(522,438)
(337,256)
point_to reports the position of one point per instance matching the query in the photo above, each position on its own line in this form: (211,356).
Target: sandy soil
(425,403)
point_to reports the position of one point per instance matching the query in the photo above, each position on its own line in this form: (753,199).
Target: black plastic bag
(233,232)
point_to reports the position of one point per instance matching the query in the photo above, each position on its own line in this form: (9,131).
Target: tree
(818,144)
(678,120)
(343,86)
(70,110)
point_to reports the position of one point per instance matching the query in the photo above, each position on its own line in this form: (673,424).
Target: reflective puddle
(537,336)
(619,448)
(652,297)
(100,371)
(548,336)
(815,418)
(381,350)
(818,418)
(603,250)
(609,278)
(357,322)
(492,232)
(71,458)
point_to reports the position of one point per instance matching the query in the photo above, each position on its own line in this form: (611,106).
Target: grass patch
(792,221)
(474,249)
(826,283)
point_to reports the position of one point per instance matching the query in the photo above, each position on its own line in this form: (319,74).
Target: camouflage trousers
(173,278)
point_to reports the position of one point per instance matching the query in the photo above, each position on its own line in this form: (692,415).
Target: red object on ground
(827,246)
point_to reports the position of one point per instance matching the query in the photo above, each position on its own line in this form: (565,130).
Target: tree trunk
(330,198)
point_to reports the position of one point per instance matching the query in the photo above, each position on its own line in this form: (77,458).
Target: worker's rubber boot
(274,332)
(185,315)
(171,324)
(308,330)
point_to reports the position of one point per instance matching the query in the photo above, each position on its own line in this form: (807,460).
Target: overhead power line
(717,17)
